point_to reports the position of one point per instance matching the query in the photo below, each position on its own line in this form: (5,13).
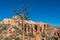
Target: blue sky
(47,11)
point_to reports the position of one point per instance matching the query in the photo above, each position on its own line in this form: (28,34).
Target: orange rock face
(37,38)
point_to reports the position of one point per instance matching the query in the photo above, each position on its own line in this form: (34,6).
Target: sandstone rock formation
(30,28)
